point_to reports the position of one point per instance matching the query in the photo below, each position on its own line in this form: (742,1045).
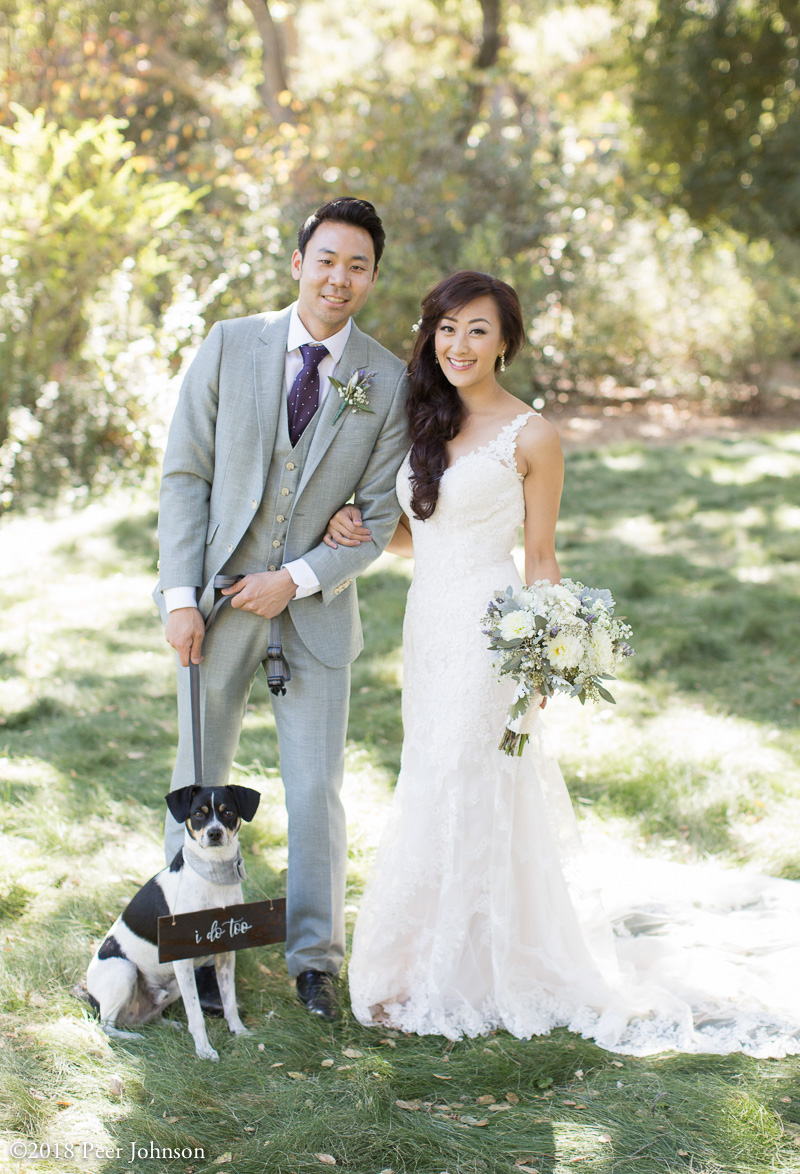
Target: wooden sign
(216,931)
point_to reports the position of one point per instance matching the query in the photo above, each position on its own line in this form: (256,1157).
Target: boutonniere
(353,394)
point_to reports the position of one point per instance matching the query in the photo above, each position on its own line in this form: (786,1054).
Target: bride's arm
(401,542)
(542,463)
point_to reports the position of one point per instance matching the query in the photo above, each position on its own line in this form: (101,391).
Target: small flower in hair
(416,326)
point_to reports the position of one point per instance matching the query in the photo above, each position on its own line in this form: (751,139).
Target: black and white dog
(126,983)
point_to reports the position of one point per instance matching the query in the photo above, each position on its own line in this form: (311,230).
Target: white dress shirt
(301,573)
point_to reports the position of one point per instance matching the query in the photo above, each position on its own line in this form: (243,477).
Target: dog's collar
(217,872)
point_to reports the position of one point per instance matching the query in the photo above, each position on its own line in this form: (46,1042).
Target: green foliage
(80,222)
(593,159)
(718,99)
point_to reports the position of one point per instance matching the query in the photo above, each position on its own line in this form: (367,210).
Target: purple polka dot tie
(303,398)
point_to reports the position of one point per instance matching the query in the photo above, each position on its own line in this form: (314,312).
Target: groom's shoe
(315,990)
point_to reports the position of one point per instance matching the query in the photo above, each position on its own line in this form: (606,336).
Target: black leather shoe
(208,990)
(315,990)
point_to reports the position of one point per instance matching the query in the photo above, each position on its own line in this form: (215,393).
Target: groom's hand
(185,631)
(266,593)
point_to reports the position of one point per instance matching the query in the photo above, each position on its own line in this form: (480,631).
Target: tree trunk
(273,61)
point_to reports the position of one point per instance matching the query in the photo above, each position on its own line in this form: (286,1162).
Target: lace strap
(504,445)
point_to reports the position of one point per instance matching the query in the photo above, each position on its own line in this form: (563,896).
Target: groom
(260,455)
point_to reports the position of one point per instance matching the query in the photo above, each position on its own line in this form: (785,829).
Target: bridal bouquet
(553,639)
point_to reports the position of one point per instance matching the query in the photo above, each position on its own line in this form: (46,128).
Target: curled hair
(434,407)
(345,210)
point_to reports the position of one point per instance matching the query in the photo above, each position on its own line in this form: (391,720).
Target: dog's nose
(214,835)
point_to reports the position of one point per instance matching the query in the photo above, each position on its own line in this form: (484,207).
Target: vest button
(280,518)
(276,543)
(254,504)
(230,549)
(290,466)
(284,493)
(272,568)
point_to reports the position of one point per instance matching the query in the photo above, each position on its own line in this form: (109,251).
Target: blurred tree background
(631,166)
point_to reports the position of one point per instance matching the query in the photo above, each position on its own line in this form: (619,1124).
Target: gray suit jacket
(218,454)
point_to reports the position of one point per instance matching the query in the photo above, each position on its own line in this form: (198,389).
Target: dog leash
(278,672)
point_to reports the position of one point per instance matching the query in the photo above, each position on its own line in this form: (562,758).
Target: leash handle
(278,671)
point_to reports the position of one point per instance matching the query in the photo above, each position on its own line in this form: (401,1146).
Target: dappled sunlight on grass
(700,758)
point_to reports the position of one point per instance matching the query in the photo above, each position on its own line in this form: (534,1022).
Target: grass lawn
(700,543)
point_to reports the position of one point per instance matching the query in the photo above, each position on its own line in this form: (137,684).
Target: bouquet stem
(513,744)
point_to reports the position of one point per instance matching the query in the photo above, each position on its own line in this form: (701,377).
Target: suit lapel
(353,356)
(269,374)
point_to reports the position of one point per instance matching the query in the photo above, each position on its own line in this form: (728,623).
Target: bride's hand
(345,528)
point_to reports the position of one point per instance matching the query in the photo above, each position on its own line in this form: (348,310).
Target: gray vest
(263,546)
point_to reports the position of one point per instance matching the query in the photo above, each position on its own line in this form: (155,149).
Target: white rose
(516,625)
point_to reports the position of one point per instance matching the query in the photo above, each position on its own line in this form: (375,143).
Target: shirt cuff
(306,581)
(175,597)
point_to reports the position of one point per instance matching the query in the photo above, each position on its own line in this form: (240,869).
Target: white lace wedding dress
(478,913)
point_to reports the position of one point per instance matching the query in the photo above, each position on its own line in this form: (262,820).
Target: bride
(478,913)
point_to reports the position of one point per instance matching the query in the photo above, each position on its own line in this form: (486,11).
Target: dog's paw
(206,1052)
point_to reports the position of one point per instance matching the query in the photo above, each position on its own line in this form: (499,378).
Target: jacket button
(284,493)
(276,543)
(254,504)
(230,548)
(280,518)
(272,568)
(290,466)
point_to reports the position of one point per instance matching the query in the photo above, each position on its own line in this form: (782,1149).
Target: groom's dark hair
(345,210)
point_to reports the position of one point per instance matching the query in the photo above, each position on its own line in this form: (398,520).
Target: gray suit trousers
(311,721)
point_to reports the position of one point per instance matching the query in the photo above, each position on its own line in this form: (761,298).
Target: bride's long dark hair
(435,411)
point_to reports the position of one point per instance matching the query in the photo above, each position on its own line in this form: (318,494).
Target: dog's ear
(247,800)
(179,802)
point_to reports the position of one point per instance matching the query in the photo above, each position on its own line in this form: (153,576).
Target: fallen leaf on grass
(352,1053)
(487,1099)
(221,1161)
(389,1043)
(617,1064)
(526,1169)
(474,1121)
(498,1108)
(174,1121)
(512,1098)
(438,1077)
(277,1064)
(683,1153)
(115,1086)
(296,1075)
(327,1064)
(411,1106)
(64,1104)
(604,1137)
(326,1159)
(571,1104)
(786,1100)
(264,969)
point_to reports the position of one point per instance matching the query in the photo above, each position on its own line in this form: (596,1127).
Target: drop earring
(502,360)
